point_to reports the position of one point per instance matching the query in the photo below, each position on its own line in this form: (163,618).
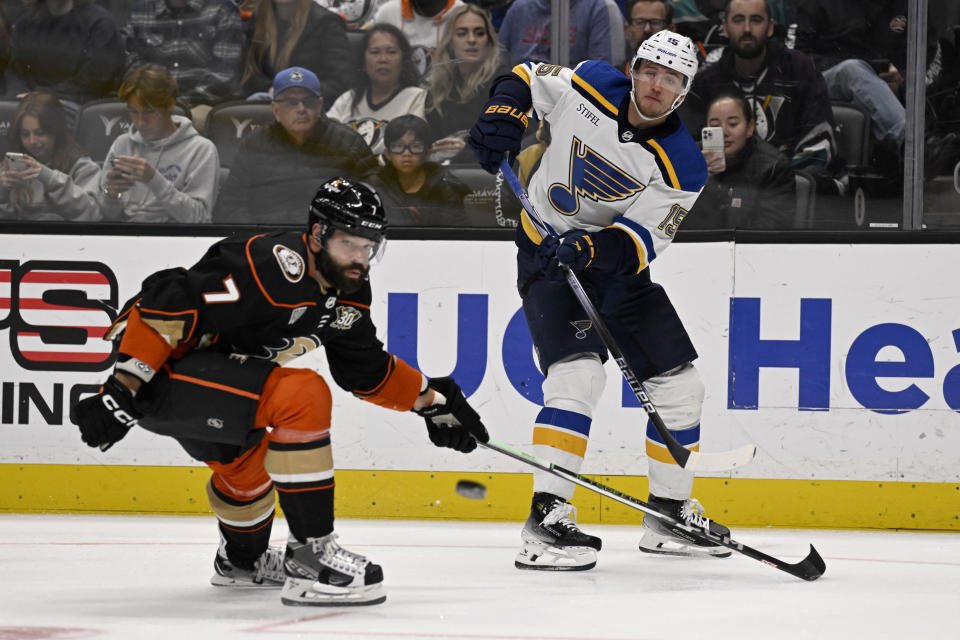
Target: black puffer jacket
(789,97)
(272,180)
(438,203)
(757,191)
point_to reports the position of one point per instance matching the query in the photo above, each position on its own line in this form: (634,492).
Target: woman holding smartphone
(46,175)
(750,184)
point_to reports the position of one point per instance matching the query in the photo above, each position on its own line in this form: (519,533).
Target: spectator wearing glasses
(417,192)
(277,168)
(387,88)
(55,179)
(296,33)
(468,59)
(161,170)
(645,18)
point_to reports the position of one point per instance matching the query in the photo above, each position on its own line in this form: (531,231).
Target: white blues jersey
(601,172)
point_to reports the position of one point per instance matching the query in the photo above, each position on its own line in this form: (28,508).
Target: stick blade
(810,568)
(721,460)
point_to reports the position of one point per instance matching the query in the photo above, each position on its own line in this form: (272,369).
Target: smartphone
(712,139)
(15,161)
(118,170)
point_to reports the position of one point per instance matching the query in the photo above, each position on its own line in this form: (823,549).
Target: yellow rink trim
(428,495)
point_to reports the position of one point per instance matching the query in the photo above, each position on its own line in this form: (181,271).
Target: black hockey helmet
(350,206)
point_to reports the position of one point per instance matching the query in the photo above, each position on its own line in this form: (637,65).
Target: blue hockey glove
(452,422)
(104,419)
(574,249)
(497,132)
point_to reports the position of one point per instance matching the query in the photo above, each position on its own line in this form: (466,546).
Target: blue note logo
(591,176)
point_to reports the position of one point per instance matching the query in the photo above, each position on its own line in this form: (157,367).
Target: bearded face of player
(748,26)
(655,88)
(344,261)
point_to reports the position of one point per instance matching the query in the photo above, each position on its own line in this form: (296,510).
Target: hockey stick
(697,527)
(693,460)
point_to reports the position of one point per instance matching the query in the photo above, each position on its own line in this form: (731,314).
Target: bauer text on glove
(497,132)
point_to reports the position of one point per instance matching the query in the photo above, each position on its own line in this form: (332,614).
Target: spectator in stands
(277,168)
(357,14)
(161,170)
(525,31)
(421,21)
(55,179)
(469,57)
(861,48)
(70,48)
(297,33)
(200,42)
(788,96)
(645,18)
(386,88)
(415,191)
(756,189)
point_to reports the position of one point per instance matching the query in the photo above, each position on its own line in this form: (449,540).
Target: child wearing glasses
(416,191)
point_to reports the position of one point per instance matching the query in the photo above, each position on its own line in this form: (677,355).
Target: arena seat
(481,203)
(806,200)
(227,123)
(852,133)
(101,122)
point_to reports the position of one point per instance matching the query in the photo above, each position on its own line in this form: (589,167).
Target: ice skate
(663,538)
(266,572)
(551,540)
(321,573)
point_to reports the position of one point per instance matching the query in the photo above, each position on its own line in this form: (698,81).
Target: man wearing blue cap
(278,167)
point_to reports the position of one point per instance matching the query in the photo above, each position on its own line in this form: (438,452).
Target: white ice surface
(65,577)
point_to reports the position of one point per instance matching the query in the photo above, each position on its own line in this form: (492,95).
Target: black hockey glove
(104,419)
(574,249)
(498,131)
(452,423)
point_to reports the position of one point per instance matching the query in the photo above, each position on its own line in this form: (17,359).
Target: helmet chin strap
(633,98)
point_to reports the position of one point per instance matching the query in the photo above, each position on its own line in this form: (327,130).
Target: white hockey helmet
(673,51)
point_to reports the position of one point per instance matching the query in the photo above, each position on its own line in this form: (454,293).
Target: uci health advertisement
(841,362)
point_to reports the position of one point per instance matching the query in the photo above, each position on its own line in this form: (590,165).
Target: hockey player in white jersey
(619,176)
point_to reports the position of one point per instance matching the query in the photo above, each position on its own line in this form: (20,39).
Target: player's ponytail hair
(264,46)
(447,84)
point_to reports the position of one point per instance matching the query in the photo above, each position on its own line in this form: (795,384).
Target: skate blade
(538,556)
(312,594)
(668,547)
(223,581)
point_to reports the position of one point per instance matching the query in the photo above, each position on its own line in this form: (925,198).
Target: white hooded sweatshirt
(185,185)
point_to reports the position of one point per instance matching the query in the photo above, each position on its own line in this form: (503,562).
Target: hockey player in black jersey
(617,179)
(199,359)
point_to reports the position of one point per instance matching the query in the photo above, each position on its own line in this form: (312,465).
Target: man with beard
(199,360)
(788,95)
(617,179)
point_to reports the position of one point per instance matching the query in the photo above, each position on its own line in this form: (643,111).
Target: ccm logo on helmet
(119,414)
(372,225)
